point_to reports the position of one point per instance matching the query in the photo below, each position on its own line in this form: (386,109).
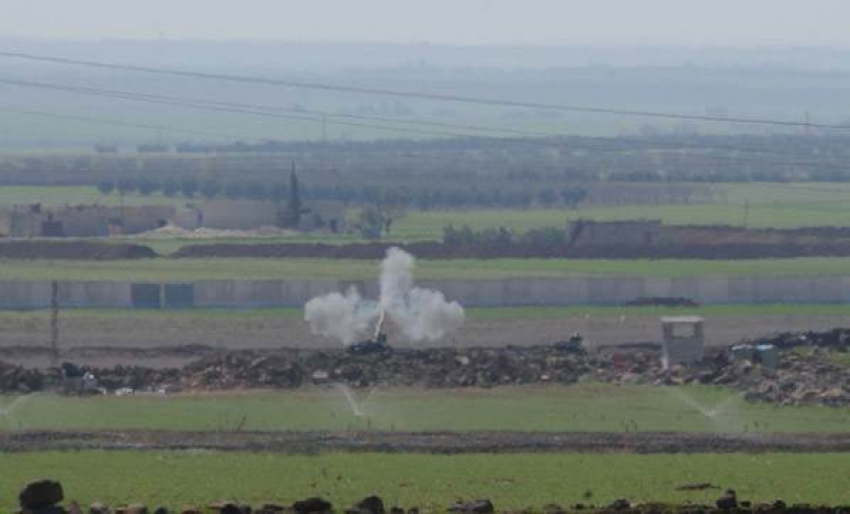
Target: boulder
(99,508)
(314,504)
(477,506)
(271,508)
(728,501)
(620,504)
(40,494)
(371,505)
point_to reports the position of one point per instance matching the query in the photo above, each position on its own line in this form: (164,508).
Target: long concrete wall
(473,293)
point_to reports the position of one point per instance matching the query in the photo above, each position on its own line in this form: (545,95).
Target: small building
(253,214)
(625,232)
(240,214)
(684,340)
(85,220)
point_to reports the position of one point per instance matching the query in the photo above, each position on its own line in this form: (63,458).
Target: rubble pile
(814,374)
(837,339)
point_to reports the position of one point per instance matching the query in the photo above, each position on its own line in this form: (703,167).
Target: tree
(294,208)
(146,186)
(170,187)
(211,189)
(547,197)
(126,185)
(573,196)
(106,186)
(371,223)
(233,190)
(188,187)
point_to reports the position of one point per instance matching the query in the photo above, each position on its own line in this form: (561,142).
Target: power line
(423,96)
(229,107)
(295,112)
(275,112)
(143,126)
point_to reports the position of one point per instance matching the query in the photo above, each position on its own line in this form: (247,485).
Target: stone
(99,508)
(270,508)
(371,505)
(728,501)
(620,504)
(477,506)
(40,494)
(314,504)
(224,507)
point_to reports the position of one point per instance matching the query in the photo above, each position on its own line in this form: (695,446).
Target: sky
(717,23)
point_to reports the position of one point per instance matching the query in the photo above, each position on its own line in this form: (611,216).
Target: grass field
(770,205)
(586,407)
(431,482)
(179,270)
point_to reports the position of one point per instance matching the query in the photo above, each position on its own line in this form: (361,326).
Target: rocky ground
(46,496)
(811,368)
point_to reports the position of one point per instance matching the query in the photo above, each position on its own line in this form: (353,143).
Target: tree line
(425,198)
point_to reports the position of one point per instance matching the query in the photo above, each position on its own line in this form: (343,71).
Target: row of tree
(191,188)
(425,198)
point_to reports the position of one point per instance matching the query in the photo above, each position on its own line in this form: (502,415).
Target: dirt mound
(662,301)
(314,441)
(812,377)
(437,250)
(73,250)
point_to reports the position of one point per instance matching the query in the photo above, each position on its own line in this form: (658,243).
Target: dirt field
(26,340)
(424,442)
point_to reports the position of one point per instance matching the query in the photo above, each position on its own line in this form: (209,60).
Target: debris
(477,506)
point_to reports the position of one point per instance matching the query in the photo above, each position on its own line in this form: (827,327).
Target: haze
(471,22)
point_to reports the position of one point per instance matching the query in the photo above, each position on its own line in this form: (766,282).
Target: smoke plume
(420,314)
(341,317)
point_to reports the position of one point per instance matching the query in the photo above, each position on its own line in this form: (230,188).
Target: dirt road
(126,333)
(425,442)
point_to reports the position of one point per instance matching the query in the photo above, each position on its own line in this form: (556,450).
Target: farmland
(770,205)
(582,408)
(429,481)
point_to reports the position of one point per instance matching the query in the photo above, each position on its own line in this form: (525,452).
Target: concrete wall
(507,292)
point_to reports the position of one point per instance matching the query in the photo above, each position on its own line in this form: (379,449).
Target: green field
(169,269)
(586,407)
(770,206)
(431,482)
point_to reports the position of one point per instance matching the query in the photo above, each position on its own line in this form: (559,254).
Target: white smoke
(420,314)
(337,316)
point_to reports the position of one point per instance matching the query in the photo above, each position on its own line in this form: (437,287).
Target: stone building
(84,220)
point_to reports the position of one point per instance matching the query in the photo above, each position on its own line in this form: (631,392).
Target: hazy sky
(593,22)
